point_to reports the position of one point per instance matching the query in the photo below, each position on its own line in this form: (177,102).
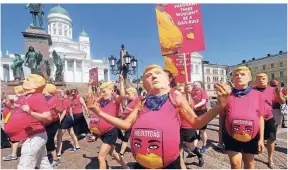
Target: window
(282,84)
(208,79)
(215,71)
(281,74)
(65,33)
(196,69)
(207,70)
(264,67)
(54,31)
(54,25)
(256,68)
(60,31)
(222,72)
(272,76)
(215,79)
(208,87)
(281,64)
(272,65)
(59,25)
(222,79)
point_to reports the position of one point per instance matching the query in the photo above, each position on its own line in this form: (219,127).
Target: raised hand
(92,103)
(223,92)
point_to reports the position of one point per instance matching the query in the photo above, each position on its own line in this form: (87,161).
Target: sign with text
(93,74)
(178,60)
(180,31)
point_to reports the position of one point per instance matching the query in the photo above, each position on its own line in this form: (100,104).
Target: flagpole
(188,97)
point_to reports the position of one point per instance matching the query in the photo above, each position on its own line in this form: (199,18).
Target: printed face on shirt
(147,145)
(155,79)
(94,122)
(261,81)
(241,78)
(106,93)
(242,130)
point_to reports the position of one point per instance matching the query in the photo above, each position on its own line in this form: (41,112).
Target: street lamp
(128,67)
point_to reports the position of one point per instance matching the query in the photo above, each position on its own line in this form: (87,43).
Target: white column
(65,70)
(74,70)
(82,70)
(1,72)
(54,71)
(108,72)
(10,73)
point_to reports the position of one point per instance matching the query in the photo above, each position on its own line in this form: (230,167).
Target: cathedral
(76,54)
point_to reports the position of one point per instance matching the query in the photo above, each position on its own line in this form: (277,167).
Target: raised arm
(122,90)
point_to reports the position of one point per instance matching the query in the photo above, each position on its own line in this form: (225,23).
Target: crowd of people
(161,121)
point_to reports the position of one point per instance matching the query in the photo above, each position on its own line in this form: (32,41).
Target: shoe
(203,149)
(271,165)
(9,158)
(55,163)
(190,155)
(58,156)
(74,149)
(201,162)
(283,126)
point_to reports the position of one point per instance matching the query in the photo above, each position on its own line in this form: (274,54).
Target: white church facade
(77,55)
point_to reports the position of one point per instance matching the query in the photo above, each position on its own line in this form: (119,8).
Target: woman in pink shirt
(132,99)
(155,122)
(243,132)
(107,131)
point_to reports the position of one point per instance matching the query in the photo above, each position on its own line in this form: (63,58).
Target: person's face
(241,78)
(196,85)
(106,93)
(73,93)
(261,81)
(130,95)
(155,79)
(180,88)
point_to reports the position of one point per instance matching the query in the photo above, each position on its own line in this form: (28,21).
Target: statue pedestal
(39,39)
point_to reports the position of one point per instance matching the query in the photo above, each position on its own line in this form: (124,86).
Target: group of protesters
(160,125)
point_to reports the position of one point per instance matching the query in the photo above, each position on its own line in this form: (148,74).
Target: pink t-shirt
(54,102)
(98,125)
(197,95)
(268,98)
(20,100)
(76,105)
(21,125)
(130,107)
(155,136)
(66,104)
(242,116)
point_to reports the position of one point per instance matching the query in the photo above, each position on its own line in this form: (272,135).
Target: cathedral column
(11,77)
(82,70)
(108,72)
(74,70)
(65,70)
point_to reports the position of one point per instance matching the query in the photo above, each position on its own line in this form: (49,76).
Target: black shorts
(67,122)
(270,129)
(188,135)
(231,144)
(126,136)
(110,137)
(199,113)
(174,165)
(51,131)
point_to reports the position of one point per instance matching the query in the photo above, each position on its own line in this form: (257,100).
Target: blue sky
(232,32)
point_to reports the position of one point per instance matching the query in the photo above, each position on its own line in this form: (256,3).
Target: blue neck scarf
(48,97)
(241,92)
(155,102)
(103,103)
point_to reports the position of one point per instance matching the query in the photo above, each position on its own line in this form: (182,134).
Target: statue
(37,10)
(59,66)
(33,60)
(48,68)
(17,67)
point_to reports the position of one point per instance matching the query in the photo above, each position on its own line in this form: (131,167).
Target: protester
(52,127)
(243,130)
(270,96)
(66,124)
(110,103)
(26,124)
(200,99)
(80,125)
(155,122)
(133,99)
(188,135)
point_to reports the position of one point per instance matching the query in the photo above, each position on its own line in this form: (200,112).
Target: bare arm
(84,105)
(62,115)
(221,126)
(43,117)
(261,128)
(203,101)
(120,98)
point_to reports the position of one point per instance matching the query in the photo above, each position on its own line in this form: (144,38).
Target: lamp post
(127,64)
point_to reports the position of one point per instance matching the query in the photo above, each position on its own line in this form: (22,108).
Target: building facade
(275,66)
(213,73)
(76,54)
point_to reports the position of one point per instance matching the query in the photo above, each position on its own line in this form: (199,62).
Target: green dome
(83,33)
(59,10)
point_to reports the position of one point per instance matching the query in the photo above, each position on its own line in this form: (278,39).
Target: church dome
(83,33)
(59,10)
